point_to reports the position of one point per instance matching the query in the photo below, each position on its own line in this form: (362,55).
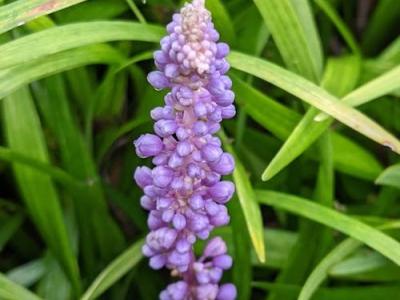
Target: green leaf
(320,273)
(247,199)
(9,155)
(314,95)
(101,238)
(15,77)
(281,121)
(8,226)
(115,270)
(29,273)
(378,87)
(19,12)
(58,39)
(113,134)
(293,29)
(12,291)
(384,19)
(222,20)
(390,177)
(329,217)
(27,138)
(341,26)
(340,77)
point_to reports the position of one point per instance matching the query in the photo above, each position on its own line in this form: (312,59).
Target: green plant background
(316,214)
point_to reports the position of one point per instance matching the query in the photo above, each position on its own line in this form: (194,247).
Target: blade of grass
(47,42)
(320,273)
(136,11)
(314,95)
(15,77)
(242,269)
(12,291)
(8,226)
(293,30)
(378,87)
(390,177)
(20,12)
(114,271)
(340,77)
(341,26)
(101,237)
(329,217)
(349,157)
(27,274)
(384,19)
(27,138)
(9,155)
(222,20)
(251,209)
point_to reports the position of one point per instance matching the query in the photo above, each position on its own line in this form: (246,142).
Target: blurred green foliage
(317,210)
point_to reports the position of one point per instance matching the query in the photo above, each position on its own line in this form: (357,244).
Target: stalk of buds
(184,192)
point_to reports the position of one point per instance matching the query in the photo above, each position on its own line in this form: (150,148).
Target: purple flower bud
(158,80)
(158,261)
(211,152)
(165,128)
(157,113)
(227,291)
(222,191)
(162,176)
(207,291)
(196,201)
(212,208)
(171,71)
(143,176)
(148,145)
(179,259)
(198,222)
(154,221)
(225,99)
(220,219)
(215,275)
(215,247)
(223,50)
(147,203)
(179,221)
(183,246)
(175,161)
(223,261)
(225,165)
(228,112)
(184,148)
(200,110)
(200,128)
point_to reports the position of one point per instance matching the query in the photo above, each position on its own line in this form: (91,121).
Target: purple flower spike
(184,193)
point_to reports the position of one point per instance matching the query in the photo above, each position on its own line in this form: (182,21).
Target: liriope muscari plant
(184,191)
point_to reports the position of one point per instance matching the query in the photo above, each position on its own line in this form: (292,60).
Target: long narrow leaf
(390,177)
(58,39)
(19,12)
(344,73)
(15,77)
(293,30)
(26,137)
(314,95)
(250,207)
(366,234)
(12,291)
(115,270)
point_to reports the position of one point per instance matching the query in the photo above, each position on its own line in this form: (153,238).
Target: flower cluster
(184,192)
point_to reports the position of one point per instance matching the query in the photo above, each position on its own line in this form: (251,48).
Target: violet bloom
(184,192)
